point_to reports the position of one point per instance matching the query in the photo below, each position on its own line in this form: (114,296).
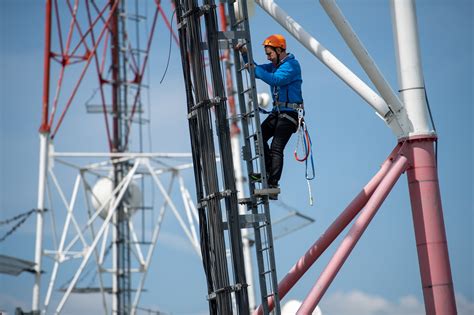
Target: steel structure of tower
(211,195)
(120,107)
(406,114)
(84,41)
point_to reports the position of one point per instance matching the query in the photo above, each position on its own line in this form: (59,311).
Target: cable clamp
(230,288)
(216,195)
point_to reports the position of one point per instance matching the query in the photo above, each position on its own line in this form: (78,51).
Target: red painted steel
(306,261)
(45,127)
(430,234)
(67,57)
(115,49)
(353,236)
(100,68)
(139,76)
(168,24)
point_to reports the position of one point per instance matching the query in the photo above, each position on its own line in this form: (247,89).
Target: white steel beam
(367,63)
(43,166)
(126,182)
(328,59)
(59,256)
(410,72)
(172,206)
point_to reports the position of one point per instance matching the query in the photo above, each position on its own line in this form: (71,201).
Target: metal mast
(43,165)
(121,284)
(423,184)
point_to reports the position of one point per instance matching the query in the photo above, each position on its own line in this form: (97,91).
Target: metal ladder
(252,149)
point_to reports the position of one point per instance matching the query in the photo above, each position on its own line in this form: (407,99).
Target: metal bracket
(231,288)
(230,35)
(209,102)
(216,195)
(247,220)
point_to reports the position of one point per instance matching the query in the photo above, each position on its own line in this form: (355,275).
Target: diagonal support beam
(353,236)
(368,64)
(329,60)
(326,239)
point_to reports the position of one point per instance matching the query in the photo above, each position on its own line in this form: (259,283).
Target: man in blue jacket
(283,74)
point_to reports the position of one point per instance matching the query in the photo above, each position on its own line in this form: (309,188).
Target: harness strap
(282,105)
(294,121)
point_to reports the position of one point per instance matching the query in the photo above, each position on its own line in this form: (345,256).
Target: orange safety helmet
(276,41)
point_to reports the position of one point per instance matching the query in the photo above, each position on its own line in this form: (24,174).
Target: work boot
(273,196)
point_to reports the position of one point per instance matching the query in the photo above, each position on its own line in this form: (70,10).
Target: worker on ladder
(283,74)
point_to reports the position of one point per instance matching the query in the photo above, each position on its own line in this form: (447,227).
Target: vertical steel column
(121,251)
(423,182)
(43,162)
(430,234)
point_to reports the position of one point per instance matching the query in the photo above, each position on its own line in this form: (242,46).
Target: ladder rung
(269,295)
(261,226)
(264,249)
(244,201)
(254,158)
(268,191)
(246,90)
(266,273)
(238,23)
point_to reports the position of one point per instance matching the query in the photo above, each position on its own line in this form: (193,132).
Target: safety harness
(302,130)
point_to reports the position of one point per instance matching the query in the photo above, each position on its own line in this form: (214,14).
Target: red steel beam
(353,236)
(336,228)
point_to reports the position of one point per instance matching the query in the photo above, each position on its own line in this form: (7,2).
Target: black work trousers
(280,128)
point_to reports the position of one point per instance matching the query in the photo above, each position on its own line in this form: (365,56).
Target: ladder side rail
(246,120)
(266,206)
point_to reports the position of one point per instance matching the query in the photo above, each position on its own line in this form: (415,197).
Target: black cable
(169,49)
(432,122)
(22,216)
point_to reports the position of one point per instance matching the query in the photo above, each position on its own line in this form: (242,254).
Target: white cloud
(361,303)
(465,307)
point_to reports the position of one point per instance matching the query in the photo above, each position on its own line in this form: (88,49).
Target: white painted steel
(138,252)
(68,208)
(187,208)
(410,73)
(325,56)
(154,239)
(367,63)
(59,256)
(63,252)
(172,206)
(43,166)
(124,185)
(121,154)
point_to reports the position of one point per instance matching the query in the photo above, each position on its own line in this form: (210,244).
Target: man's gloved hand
(241,47)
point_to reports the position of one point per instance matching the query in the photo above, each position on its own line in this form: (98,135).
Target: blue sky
(350,142)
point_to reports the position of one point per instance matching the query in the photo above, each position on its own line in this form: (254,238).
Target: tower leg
(436,279)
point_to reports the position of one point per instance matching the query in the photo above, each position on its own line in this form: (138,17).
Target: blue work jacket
(284,79)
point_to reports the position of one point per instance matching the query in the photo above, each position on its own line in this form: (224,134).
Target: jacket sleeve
(267,67)
(284,75)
